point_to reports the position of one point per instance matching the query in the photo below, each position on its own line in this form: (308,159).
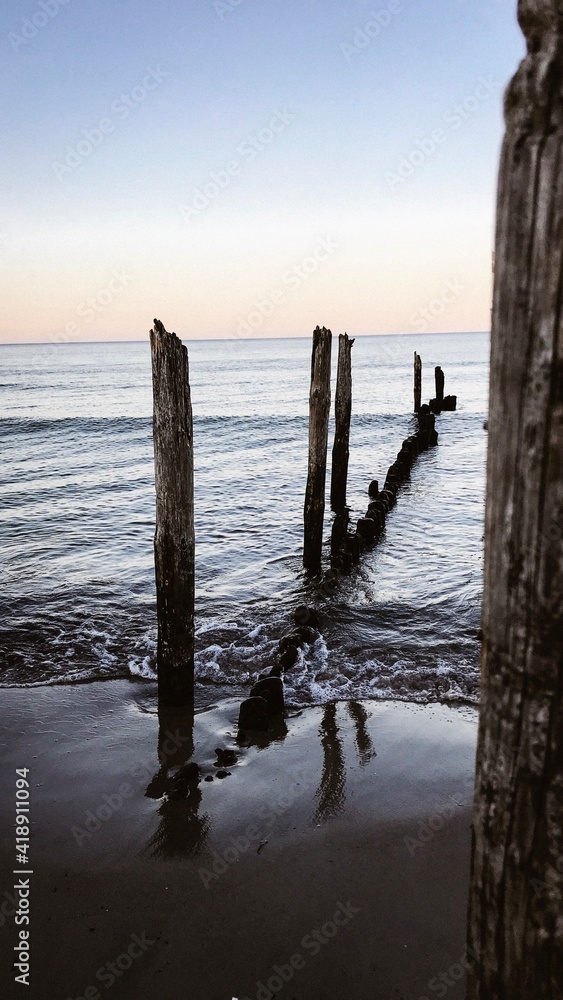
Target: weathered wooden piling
(427,427)
(174,540)
(515,914)
(417,382)
(441,402)
(339,530)
(342,414)
(319,410)
(439,378)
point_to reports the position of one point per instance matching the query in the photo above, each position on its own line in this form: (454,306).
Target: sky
(249,167)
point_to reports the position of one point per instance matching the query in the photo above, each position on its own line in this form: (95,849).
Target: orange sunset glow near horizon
(242,176)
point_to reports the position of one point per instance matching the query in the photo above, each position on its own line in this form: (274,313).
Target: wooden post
(342,413)
(515,928)
(417,382)
(439,377)
(319,410)
(174,541)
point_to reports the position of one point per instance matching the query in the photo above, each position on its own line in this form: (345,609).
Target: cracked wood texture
(515,923)
(319,411)
(342,415)
(174,540)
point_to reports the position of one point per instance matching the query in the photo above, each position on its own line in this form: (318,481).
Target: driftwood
(174,543)
(342,414)
(515,931)
(319,410)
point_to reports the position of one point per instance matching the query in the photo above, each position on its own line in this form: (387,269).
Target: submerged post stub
(319,410)
(417,382)
(174,540)
(342,415)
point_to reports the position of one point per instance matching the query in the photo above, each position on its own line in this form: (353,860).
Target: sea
(78,506)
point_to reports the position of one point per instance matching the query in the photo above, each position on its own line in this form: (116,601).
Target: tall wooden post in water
(319,410)
(516,892)
(342,414)
(174,540)
(439,379)
(417,382)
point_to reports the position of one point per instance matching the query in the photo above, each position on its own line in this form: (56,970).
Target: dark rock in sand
(254,714)
(271,690)
(226,757)
(188,772)
(222,774)
(307,616)
(208,777)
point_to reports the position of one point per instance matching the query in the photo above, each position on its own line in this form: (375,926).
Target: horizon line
(214,340)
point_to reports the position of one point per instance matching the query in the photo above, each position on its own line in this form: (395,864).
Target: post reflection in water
(332,789)
(364,746)
(331,793)
(181,829)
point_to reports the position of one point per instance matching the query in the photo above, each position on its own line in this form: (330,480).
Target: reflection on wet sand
(181,829)
(332,789)
(331,793)
(364,746)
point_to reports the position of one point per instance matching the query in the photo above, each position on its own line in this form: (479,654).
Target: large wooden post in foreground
(319,410)
(417,382)
(174,541)
(516,895)
(342,414)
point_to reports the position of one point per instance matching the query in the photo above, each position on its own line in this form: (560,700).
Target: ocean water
(77,519)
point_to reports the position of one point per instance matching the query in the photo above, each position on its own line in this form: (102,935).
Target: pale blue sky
(118,116)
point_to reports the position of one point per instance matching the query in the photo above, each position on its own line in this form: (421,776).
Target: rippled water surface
(77,518)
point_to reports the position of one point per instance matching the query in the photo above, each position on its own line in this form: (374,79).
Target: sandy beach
(332,861)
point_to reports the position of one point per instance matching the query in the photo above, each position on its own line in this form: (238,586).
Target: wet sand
(332,862)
